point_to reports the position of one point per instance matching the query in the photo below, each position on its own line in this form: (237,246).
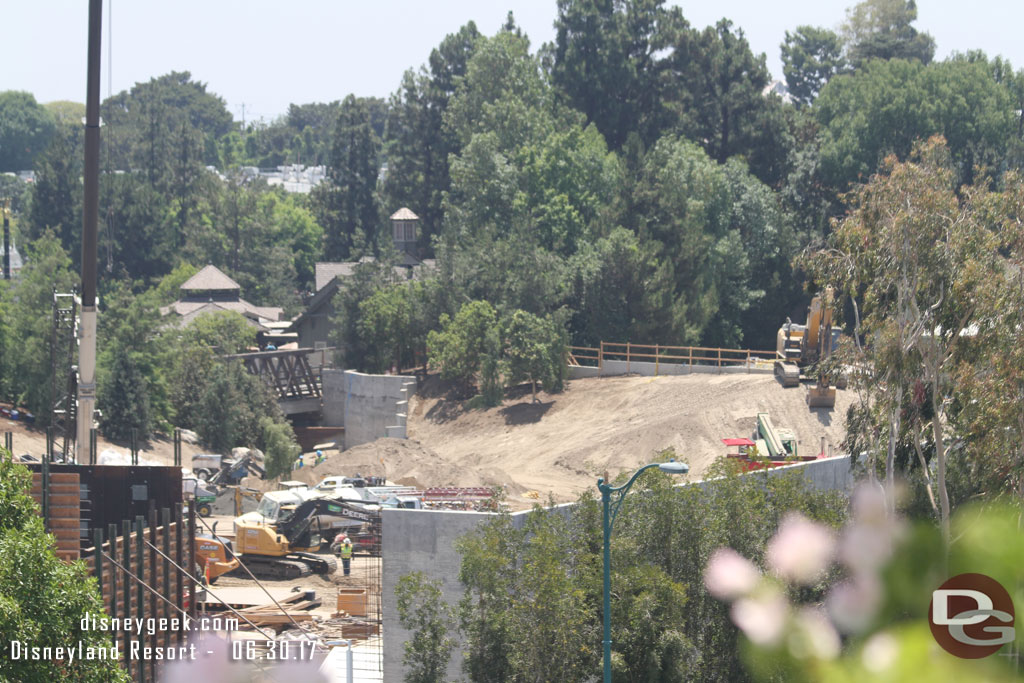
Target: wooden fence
(62,501)
(586,356)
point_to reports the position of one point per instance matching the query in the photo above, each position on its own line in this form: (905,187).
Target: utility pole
(90,219)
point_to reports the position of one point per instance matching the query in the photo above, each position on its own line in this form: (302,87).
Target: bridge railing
(586,356)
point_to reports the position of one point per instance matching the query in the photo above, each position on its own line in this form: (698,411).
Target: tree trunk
(940,453)
(890,458)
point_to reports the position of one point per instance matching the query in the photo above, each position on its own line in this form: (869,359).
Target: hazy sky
(264,55)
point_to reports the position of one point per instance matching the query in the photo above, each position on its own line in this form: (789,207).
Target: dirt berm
(562,444)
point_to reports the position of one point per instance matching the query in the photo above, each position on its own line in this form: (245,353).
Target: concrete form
(372,406)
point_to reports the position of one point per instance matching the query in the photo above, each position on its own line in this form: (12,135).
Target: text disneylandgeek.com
(137,650)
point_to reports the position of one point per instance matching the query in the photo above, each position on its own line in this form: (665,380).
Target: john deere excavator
(285,548)
(800,346)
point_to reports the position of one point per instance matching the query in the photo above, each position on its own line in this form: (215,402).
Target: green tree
(26,129)
(881,29)
(346,203)
(606,61)
(43,600)
(57,192)
(277,441)
(392,321)
(460,346)
(232,407)
(811,56)
(884,107)
(535,350)
(30,328)
(417,143)
(422,610)
(123,398)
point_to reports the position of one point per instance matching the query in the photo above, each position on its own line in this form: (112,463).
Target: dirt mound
(405,461)
(562,444)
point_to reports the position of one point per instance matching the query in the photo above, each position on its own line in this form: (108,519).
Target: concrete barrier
(612,368)
(373,404)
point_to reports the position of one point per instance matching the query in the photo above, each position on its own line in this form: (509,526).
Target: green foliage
(422,610)
(460,347)
(26,129)
(30,324)
(533,594)
(43,600)
(232,407)
(535,351)
(883,108)
(880,29)
(346,203)
(392,321)
(277,441)
(57,192)
(224,332)
(811,56)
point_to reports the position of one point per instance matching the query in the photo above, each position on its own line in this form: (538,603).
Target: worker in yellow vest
(346,555)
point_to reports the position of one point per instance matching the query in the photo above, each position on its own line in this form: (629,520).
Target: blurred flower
(801,550)
(853,604)
(762,619)
(729,575)
(880,653)
(812,636)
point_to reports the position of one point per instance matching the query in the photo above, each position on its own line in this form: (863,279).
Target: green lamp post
(610,511)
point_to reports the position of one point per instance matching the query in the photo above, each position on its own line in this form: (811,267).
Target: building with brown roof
(211,291)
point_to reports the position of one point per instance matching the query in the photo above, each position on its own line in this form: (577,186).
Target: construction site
(209,536)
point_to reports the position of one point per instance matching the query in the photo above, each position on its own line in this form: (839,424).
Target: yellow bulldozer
(802,346)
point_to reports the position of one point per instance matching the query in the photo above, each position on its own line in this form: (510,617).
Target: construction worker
(346,555)
(319,457)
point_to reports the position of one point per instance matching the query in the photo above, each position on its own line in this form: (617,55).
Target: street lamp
(671,467)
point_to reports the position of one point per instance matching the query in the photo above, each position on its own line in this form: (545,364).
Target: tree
(606,62)
(460,346)
(278,444)
(417,143)
(422,610)
(26,129)
(30,328)
(811,56)
(884,107)
(57,192)
(123,399)
(44,600)
(919,254)
(346,203)
(232,407)
(880,29)
(535,349)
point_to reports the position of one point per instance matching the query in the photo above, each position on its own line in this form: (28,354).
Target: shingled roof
(404,214)
(209,279)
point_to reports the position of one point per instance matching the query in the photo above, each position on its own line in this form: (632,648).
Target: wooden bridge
(291,376)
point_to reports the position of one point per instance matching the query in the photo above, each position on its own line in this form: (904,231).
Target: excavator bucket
(821,397)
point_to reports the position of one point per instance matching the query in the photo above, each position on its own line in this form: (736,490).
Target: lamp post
(609,512)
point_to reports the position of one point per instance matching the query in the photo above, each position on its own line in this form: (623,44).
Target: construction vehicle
(771,447)
(214,556)
(196,493)
(282,544)
(218,469)
(801,346)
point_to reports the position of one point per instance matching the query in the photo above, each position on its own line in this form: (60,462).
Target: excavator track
(273,568)
(788,374)
(319,564)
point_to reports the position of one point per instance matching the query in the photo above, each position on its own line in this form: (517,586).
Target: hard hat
(319,453)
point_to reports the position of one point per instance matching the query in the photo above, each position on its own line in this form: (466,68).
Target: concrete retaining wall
(333,390)
(424,540)
(620,367)
(373,404)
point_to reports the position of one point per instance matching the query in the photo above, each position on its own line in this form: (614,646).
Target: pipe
(90,219)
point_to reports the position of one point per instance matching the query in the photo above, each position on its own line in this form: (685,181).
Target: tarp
(737,442)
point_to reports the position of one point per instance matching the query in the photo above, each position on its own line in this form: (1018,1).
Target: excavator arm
(296,527)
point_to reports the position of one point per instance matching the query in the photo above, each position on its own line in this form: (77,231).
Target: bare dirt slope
(561,445)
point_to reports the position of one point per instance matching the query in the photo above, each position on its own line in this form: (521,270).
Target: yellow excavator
(800,346)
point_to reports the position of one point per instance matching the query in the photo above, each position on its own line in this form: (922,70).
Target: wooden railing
(629,352)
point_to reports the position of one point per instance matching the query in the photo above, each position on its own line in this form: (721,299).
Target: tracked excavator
(284,547)
(801,346)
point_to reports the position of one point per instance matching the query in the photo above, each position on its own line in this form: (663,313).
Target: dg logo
(971,616)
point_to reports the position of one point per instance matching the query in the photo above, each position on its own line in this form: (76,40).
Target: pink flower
(729,575)
(853,604)
(761,619)
(801,550)
(813,637)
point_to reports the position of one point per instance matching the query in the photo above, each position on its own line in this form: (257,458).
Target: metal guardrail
(586,356)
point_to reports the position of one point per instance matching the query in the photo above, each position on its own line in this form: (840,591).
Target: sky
(260,55)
